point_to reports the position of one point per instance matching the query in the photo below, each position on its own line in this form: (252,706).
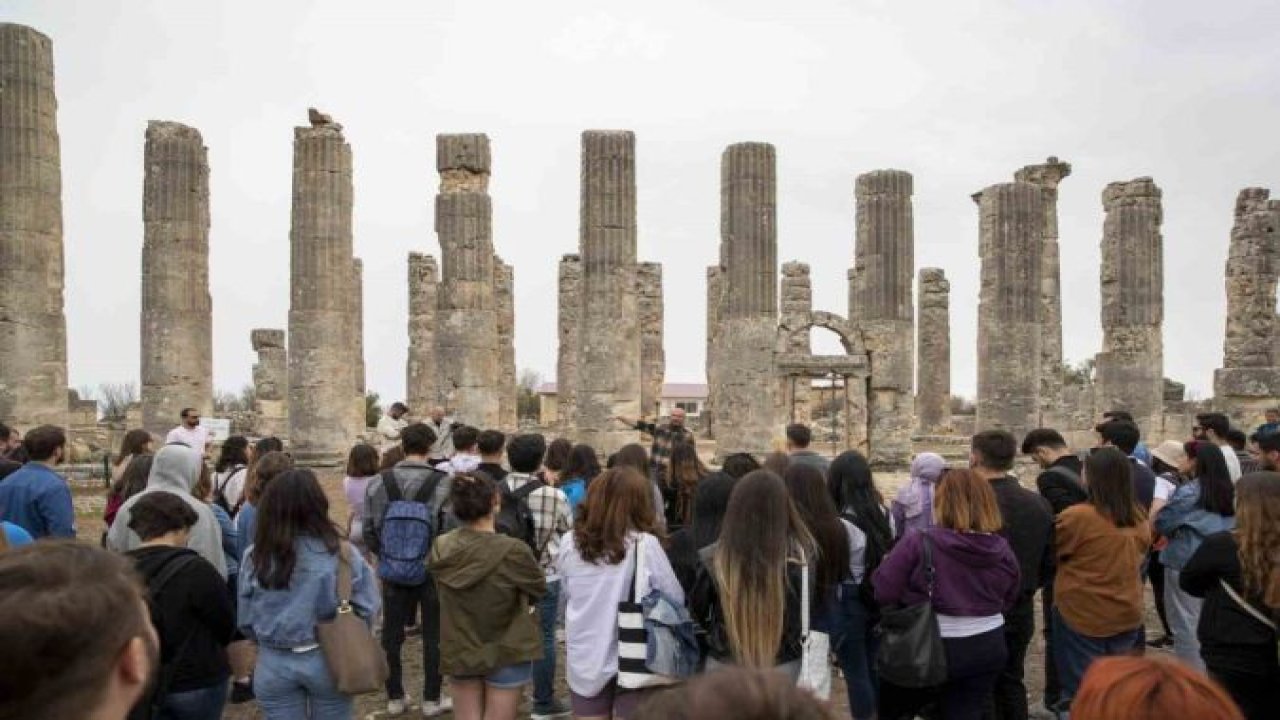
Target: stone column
(271,382)
(1048,176)
(608,377)
(504,298)
(569,326)
(746,406)
(1130,368)
(358,418)
(1249,380)
(467,328)
(715,302)
(177,313)
(1011,219)
(33,326)
(320,374)
(797,304)
(884,269)
(653,359)
(420,373)
(933,364)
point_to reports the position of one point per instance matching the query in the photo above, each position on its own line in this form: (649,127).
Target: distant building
(690,397)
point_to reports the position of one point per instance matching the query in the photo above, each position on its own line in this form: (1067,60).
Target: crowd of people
(681,590)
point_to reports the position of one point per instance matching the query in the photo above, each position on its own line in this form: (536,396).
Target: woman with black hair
(579,471)
(230,472)
(709,503)
(288,582)
(1202,507)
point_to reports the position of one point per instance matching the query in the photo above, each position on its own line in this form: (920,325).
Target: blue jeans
(199,704)
(544,670)
(855,647)
(292,686)
(1074,652)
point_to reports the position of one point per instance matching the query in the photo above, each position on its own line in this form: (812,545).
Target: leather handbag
(355,659)
(815,658)
(911,653)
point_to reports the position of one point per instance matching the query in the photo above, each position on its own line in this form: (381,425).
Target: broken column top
(932,275)
(267,338)
(1254,199)
(463,151)
(884,182)
(1130,192)
(31,34)
(166,129)
(1048,174)
(571,257)
(795,268)
(422,258)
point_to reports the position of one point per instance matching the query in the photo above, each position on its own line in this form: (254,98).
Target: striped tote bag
(633,638)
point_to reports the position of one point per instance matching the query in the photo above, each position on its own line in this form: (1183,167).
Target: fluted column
(715,309)
(933,367)
(569,331)
(653,359)
(1047,177)
(358,417)
(420,373)
(504,299)
(271,382)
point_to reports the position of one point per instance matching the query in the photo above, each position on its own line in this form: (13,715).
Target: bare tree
(527,405)
(114,399)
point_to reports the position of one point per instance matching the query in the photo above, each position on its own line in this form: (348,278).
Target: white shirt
(1164,488)
(389,428)
(196,438)
(591,594)
(1233,462)
(957,626)
(232,483)
(857,550)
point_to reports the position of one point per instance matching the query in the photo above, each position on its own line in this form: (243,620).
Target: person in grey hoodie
(175,469)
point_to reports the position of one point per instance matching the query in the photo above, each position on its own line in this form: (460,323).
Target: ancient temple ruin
(271,383)
(933,368)
(1047,176)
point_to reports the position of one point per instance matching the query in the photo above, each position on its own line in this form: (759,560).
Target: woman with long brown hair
(136,443)
(681,483)
(747,595)
(615,531)
(1238,576)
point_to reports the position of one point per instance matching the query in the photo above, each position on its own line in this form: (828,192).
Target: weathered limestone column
(933,365)
(358,419)
(271,382)
(1249,380)
(1011,220)
(884,269)
(177,313)
(653,359)
(1130,368)
(1048,176)
(33,326)
(320,376)
(797,304)
(715,302)
(569,327)
(467,328)
(747,405)
(504,298)
(420,371)
(608,373)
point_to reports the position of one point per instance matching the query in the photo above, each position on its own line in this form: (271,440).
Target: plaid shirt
(551,517)
(663,436)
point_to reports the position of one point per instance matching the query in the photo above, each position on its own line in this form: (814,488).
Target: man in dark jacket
(1124,436)
(1028,527)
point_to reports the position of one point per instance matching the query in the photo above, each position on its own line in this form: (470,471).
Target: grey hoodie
(175,469)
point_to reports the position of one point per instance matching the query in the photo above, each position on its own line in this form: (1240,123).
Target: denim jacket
(1186,524)
(287,618)
(673,641)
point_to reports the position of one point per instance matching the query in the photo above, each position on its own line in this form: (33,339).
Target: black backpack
(514,516)
(877,547)
(219,493)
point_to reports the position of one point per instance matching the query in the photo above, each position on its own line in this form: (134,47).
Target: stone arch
(850,339)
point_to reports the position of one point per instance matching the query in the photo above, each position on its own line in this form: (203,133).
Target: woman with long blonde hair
(1237,573)
(747,593)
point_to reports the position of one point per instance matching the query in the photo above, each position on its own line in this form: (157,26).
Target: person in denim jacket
(288,583)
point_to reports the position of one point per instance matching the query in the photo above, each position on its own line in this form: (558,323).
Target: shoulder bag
(355,659)
(633,634)
(911,654)
(815,657)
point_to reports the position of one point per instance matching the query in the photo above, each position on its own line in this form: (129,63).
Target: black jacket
(195,604)
(1230,638)
(1028,526)
(493,470)
(704,605)
(683,557)
(1062,484)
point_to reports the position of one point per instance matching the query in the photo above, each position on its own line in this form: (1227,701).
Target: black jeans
(1155,571)
(399,604)
(1052,689)
(973,663)
(1258,695)
(1009,698)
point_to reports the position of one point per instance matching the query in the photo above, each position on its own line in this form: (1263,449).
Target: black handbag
(911,654)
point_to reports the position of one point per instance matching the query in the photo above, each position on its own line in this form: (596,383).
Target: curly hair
(1258,534)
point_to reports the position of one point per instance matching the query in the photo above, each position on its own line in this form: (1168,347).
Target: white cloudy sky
(959,94)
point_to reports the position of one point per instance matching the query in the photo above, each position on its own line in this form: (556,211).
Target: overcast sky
(959,94)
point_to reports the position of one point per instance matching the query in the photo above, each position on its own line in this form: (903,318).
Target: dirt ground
(90,501)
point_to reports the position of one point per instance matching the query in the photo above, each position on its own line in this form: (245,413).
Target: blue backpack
(408,527)
(574,491)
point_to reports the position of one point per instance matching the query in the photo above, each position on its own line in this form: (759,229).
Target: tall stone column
(320,374)
(1047,177)
(420,372)
(1130,368)
(747,405)
(358,418)
(504,298)
(1011,219)
(467,329)
(33,326)
(1249,380)
(885,265)
(796,305)
(569,329)
(653,358)
(608,377)
(177,313)
(271,382)
(715,303)
(933,363)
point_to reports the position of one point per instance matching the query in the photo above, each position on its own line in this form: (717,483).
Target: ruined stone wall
(271,382)
(569,331)
(320,239)
(1011,219)
(467,325)
(33,326)
(609,348)
(653,359)
(797,303)
(746,406)
(1249,380)
(933,368)
(177,312)
(884,268)
(504,298)
(1130,368)
(1047,177)
(420,372)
